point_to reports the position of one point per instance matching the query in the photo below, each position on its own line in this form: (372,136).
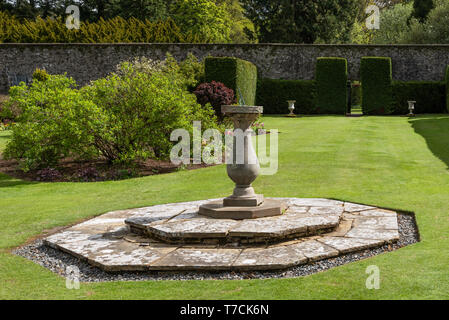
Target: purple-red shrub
(215,93)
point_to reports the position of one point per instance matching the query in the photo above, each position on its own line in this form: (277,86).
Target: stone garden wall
(86,62)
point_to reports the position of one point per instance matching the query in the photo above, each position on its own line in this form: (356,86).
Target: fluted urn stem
(244,167)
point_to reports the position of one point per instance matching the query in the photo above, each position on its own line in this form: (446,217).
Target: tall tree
(302,21)
(421,9)
(202,18)
(142,9)
(242,28)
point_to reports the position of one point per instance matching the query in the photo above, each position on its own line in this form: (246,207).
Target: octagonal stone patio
(175,237)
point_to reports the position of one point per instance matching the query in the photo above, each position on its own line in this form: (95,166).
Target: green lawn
(393,162)
(4,136)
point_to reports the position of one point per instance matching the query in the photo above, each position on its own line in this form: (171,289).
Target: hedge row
(331,78)
(430,96)
(237,74)
(13,30)
(273,94)
(328,94)
(376,77)
(447,88)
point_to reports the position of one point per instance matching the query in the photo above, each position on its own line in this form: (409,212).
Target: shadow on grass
(7,181)
(436,132)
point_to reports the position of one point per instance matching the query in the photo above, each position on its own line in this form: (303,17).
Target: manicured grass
(4,136)
(356,110)
(392,162)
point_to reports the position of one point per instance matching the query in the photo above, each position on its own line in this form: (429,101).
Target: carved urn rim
(241,109)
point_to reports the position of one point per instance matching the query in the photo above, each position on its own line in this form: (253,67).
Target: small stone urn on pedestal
(411,108)
(243,168)
(291,107)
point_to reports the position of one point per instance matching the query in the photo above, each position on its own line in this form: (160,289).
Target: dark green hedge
(430,96)
(273,94)
(237,74)
(331,77)
(447,88)
(376,77)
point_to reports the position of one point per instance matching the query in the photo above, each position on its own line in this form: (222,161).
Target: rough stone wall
(87,62)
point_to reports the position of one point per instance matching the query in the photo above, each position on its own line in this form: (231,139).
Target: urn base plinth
(218,210)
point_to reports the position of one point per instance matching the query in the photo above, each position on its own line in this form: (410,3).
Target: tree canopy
(302,21)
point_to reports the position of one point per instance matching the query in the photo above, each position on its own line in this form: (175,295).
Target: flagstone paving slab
(378,213)
(198,259)
(370,233)
(310,230)
(314,250)
(389,223)
(354,207)
(345,245)
(192,229)
(269,258)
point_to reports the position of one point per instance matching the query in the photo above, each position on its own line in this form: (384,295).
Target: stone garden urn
(291,107)
(242,168)
(411,108)
(245,167)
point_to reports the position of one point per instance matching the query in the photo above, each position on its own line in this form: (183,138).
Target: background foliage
(134,21)
(302,21)
(13,30)
(408,22)
(250,21)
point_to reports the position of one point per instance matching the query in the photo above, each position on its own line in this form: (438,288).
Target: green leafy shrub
(191,69)
(40,75)
(376,77)
(143,65)
(49,125)
(331,78)
(236,74)
(430,96)
(8,111)
(127,116)
(141,111)
(273,94)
